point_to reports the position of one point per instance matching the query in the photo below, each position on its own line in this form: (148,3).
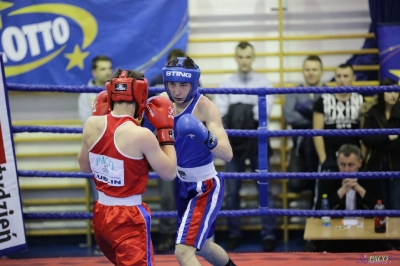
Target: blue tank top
(191,153)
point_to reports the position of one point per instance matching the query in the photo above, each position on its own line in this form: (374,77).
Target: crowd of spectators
(346,111)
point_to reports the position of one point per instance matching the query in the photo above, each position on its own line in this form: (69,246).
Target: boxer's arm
(318,123)
(83,155)
(212,134)
(161,159)
(213,120)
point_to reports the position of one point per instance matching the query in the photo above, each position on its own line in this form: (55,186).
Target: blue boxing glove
(189,125)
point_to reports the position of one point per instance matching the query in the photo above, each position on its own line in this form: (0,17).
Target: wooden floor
(253,259)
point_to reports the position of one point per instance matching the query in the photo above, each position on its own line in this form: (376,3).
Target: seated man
(349,194)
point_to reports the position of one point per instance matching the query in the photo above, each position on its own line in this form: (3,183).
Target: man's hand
(358,188)
(348,183)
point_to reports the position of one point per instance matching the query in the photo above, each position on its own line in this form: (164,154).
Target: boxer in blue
(199,190)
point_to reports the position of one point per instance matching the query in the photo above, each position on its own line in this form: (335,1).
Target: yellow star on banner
(76,58)
(4,5)
(395,72)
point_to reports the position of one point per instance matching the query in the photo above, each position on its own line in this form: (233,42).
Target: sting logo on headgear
(120,87)
(178,74)
(128,89)
(182,69)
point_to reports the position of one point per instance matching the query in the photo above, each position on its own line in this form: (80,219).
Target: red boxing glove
(160,113)
(101,105)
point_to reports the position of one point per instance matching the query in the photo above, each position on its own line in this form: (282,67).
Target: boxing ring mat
(251,259)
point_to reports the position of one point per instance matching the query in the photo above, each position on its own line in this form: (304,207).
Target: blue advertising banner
(389,51)
(53,42)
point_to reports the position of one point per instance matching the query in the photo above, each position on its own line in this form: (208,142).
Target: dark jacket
(240,116)
(384,153)
(331,186)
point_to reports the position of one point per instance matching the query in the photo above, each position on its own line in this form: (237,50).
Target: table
(315,231)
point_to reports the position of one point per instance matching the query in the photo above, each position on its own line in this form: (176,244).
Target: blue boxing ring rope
(262,133)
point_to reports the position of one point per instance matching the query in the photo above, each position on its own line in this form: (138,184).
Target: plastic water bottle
(325,220)
(380,221)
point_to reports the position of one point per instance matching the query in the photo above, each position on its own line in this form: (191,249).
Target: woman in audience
(384,151)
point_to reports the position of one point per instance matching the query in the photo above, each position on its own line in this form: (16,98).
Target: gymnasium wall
(254,18)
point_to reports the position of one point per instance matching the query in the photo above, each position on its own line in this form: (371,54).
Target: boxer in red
(117,151)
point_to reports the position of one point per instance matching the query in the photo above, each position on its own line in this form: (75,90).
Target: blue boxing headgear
(182,69)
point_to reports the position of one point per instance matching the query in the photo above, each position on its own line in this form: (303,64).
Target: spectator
(101,72)
(383,151)
(349,194)
(298,112)
(241,112)
(166,226)
(336,111)
(372,100)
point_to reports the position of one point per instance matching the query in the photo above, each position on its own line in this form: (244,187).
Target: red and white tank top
(116,174)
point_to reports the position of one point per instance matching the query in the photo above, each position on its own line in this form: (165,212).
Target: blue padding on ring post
(262,149)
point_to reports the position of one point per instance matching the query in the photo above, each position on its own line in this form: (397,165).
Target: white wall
(253,18)
(243,19)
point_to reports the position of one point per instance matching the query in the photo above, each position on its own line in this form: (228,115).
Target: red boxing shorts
(123,233)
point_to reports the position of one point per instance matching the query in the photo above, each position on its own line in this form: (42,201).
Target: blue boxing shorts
(198,205)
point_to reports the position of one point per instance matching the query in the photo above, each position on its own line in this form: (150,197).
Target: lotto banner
(389,51)
(53,42)
(12,230)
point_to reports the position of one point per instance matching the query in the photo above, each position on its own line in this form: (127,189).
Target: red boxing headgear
(128,89)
